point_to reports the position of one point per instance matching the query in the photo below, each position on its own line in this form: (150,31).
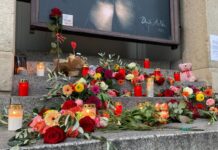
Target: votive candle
(146,63)
(177,76)
(118,108)
(150,87)
(15,117)
(138,90)
(40,69)
(89,110)
(85,70)
(23,87)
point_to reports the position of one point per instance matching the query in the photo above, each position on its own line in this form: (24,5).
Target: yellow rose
(199,97)
(79,87)
(116,67)
(97,76)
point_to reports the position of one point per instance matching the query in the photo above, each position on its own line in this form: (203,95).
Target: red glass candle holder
(122,71)
(146,63)
(85,70)
(177,76)
(157,72)
(138,90)
(23,88)
(118,108)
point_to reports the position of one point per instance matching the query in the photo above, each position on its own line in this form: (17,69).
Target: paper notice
(67,20)
(214,47)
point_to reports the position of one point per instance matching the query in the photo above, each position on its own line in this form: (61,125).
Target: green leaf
(81,130)
(76,125)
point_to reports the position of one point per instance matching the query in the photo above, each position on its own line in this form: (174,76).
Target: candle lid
(118,103)
(147,59)
(89,106)
(157,69)
(85,65)
(23,80)
(15,106)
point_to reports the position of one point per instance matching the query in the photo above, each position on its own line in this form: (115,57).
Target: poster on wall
(214,47)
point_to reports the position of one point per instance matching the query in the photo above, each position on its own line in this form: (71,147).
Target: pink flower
(91,72)
(210,102)
(174,89)
(112,93)
(79,102)
(95,89)
(38,124)
(141,78)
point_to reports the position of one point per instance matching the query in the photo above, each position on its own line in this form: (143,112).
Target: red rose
(168,93)
(55,12)
(68,104)
(54,135)
(88,124)
(160,80)
(99,70)
(119,76)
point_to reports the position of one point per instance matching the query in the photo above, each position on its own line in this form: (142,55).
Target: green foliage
(24,137)
(137,119)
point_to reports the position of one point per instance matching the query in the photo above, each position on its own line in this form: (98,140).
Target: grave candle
(146,63)
(89,110)
(40,69)
(85,70)
(150,87)
(15,117)
(138,90)
(118,108)
(177,76)
(23,87)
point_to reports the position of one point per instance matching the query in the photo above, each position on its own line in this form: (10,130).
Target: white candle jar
(40,69)
(15,117)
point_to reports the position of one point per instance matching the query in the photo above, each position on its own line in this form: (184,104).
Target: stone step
(39,85)
(158,139)
(31,102)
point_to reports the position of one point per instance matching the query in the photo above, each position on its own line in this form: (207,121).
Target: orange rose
(157,106)
(135,73)
(186,94)
(164,107)
(164,114)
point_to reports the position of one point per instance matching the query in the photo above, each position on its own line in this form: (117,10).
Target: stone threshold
(159,139)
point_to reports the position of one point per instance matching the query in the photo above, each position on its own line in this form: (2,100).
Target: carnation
(95,89)
(210,102)
(99,70)
(108,74)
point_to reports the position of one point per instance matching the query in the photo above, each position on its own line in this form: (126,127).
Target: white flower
(131,65)
(103,86)
(129,76)
(103,122)
(82,80)
(188,90)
